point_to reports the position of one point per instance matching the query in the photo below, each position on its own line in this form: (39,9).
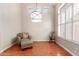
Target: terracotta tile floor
(39,49)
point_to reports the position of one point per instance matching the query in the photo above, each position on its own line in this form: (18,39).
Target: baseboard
(66,49)
(7,47)
(41,41)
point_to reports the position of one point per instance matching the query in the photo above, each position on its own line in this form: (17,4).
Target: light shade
(36,16)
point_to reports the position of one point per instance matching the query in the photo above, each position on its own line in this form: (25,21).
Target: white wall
(10,23)
(38,31)
(14,19)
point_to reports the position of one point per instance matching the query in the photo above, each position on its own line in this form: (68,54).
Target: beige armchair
(24,40)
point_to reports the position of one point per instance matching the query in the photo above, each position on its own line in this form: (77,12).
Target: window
(65,21)
(76,22)
(36,13)
(69,13)
(76,31)
(76,11)
(62,31)
(69,31)
(62,16)
(68,22)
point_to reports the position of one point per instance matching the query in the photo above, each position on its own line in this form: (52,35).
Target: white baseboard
(41,40)
(66,49)
(7,47)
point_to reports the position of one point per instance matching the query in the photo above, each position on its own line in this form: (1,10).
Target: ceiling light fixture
(36,14)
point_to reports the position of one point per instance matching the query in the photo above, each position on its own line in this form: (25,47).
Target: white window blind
(69,13)
(69,22)
(76,22)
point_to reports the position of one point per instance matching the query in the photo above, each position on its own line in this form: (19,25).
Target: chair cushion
(25,35)
(26,41)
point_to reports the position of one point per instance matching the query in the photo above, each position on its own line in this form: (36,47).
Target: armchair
(24,40)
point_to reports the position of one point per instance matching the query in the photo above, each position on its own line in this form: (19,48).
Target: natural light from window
(36,14)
